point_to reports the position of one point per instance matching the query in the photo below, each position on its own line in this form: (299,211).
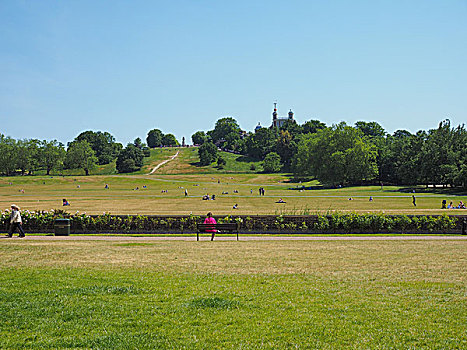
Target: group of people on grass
(461,205)
(207,198)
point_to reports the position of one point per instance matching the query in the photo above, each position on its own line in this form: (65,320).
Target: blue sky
(130,66)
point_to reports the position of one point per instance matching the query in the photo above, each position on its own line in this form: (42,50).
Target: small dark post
(464,224)
(197,236)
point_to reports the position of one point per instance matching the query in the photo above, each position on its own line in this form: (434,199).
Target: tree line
(342,154)
(88,150)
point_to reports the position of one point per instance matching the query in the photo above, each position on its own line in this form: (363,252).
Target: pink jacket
(210,220)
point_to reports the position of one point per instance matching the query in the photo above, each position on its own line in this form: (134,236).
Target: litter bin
(62,227)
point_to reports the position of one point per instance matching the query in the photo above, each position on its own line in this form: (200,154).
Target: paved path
(162,163)
(242,238)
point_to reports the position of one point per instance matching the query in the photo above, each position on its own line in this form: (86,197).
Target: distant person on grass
(414,201)
(15,222)
(210,220)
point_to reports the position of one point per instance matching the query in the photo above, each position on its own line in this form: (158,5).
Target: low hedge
(43,221)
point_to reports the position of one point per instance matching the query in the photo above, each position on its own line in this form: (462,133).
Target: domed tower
(290,115)
(274,115)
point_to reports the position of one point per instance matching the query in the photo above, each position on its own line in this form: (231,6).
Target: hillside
(187,162)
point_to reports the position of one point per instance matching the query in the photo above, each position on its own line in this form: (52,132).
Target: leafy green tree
(199,138)
(7,155)
(130,159)
(312,126)
(337,155)
(207,153)
(80,155)
(261,143)
(442,154)
(51,155)
(377,135)
(292,127)
(139,143)
(26,155)
(231,141)
(371,129)
(224,127)
(169,140)
(103,144)
(272,163)
(399,158)
(154,138)
(286,147)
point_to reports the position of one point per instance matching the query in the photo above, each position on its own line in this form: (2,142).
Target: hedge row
(43,221)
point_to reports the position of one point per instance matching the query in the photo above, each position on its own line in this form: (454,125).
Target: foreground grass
(246,295)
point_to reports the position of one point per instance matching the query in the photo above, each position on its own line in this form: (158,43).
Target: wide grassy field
(87,194)
(233,295)
(163,191)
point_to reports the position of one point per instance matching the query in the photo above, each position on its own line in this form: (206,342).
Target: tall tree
(199,138)
(440,155)
(272,163)
(207,153)
(262,142)
(292,127)
(51,155)
(286,147)
(7,155)
(154,138)
(138,143)
(80,155)
(312,126)
(102,143)
(224,127)
(337,155)
(130,159)
(169,140)
(371,129)
(26,155)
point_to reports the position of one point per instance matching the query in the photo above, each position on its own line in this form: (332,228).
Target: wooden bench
(221,228)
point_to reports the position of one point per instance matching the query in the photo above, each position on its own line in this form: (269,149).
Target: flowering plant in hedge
(43,221)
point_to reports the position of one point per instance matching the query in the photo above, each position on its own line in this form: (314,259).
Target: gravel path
(242,238)
(162,163)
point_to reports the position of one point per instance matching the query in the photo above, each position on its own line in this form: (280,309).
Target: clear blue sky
(130,66)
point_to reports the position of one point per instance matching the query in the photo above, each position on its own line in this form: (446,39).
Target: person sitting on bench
(210,220)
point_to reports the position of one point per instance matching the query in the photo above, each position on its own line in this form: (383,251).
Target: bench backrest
(226,226)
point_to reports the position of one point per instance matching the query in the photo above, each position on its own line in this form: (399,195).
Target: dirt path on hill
(242,238)
(162,163)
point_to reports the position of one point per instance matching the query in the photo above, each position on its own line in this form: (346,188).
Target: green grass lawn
(187,162)
(233,295)
(163,191)
(87,194)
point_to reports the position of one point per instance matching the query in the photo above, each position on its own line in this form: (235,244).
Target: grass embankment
(187,162)
(247,295)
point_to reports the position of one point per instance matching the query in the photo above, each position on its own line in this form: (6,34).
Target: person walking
(414,201)
(210,220)
(15,222)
